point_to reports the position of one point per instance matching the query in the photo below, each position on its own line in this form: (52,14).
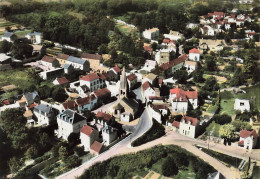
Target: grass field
(228,99)
(16,77)
(22,33)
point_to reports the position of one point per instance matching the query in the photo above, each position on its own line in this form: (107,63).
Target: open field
(4,23)
(228,99)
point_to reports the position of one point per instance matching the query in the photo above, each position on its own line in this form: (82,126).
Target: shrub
(156,131)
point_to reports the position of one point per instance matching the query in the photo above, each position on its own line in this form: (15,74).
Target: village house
(103,119)
(126,117)
(61,81)
(131,80)
(5,59)
(37,49)
(29,98)
(174,65)
(242,105)
(35,37)
(174,35)
(207,30)
(194,54)
(149,65)
(96,148)
(151,78)
(109,135)
(190,66)
(92,81)
(28,115)
(93,59)
(69,122)
(69,105)
(147,91)
(248,139)
(211,45)
(162,56)
(8,36)
(62,58)
(188,126)
(116,70)
(168,44)
(68,68)
(103,96)
(181,100)
(44,114)
(87,103)
(157,111)
(49,62)
(151,34)
(88,135)
(52,74)
(78,63)
(250,33)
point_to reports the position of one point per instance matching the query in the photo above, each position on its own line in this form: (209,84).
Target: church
(125,108)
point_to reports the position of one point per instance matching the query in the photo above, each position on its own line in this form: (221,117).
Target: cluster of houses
(217,22)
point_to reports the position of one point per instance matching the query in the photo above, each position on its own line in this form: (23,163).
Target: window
(189,128)
(242,104)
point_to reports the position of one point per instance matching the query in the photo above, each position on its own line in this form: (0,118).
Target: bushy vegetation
(156,131)
(223,157)
(126,166)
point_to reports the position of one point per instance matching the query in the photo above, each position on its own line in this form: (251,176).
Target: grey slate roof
(131,103)
(66,66)
(31,95)
(34,33)
(70,116)
(76,60)
(43,108)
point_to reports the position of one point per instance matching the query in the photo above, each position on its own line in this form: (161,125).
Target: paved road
(143,125)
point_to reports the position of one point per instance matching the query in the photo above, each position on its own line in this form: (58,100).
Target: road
(143,125)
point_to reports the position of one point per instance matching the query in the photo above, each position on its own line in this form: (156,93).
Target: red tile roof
(156,98)
(183,94)
(174,62)
(241,143)
(218,13)
(91,56)
(32,106)
(176,124)
(166,40)
(87,130)
(102,76)
(146,85)
(159,106)
(5,102)
(187,119)
(102,92)
(104,116)
(147,48)
(96,146)
(90,77)
(160,80)
(251,33)
(62,56)
(131,77)
(86,100)
(62,80)
(194,50)
(117,69)
(48,59)
(245,133)
(69,105)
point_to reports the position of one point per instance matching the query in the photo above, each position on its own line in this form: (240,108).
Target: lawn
(17,77)
(228,99)
(22,33)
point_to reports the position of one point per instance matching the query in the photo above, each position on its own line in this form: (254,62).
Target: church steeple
(123,88)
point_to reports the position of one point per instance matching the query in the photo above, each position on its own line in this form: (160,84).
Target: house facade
(194,54)
(44,114)
(248,139)
(50,62)
(109,135)
(92,81)
(242,105)
(62,58)
(69,122)
(131,80)
(162,56)
(151,34)
(78,63)
(190,66)
(88,135)
(35,37)
(93,59)
(189,126)
(86,103)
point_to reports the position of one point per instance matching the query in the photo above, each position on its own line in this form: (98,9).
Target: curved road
(143,125)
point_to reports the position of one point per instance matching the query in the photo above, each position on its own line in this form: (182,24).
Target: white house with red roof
(188,126)
(87,103)
(194,54)
(174,65)
(49,62)
(174,35)
(181,100)
(61,81)
(92,81)
(147,91)
(169,44)
(116,70)
(103,95)
(96,148)
(88,135)
(250,33)
(131,80)
(109,135)
(248,139)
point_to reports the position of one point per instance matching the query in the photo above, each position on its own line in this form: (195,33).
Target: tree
(238,78)
(169,167)
(63,153)
(21,49)
(59,94)
(14,164)
(240,125)
(227,131)
(222,119)
(31,152)
(211,84)
(72,161)
(198,76)
(5,46)
(210,63)
(181,76)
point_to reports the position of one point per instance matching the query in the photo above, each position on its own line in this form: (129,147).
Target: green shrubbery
(127,166)
(156,131)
